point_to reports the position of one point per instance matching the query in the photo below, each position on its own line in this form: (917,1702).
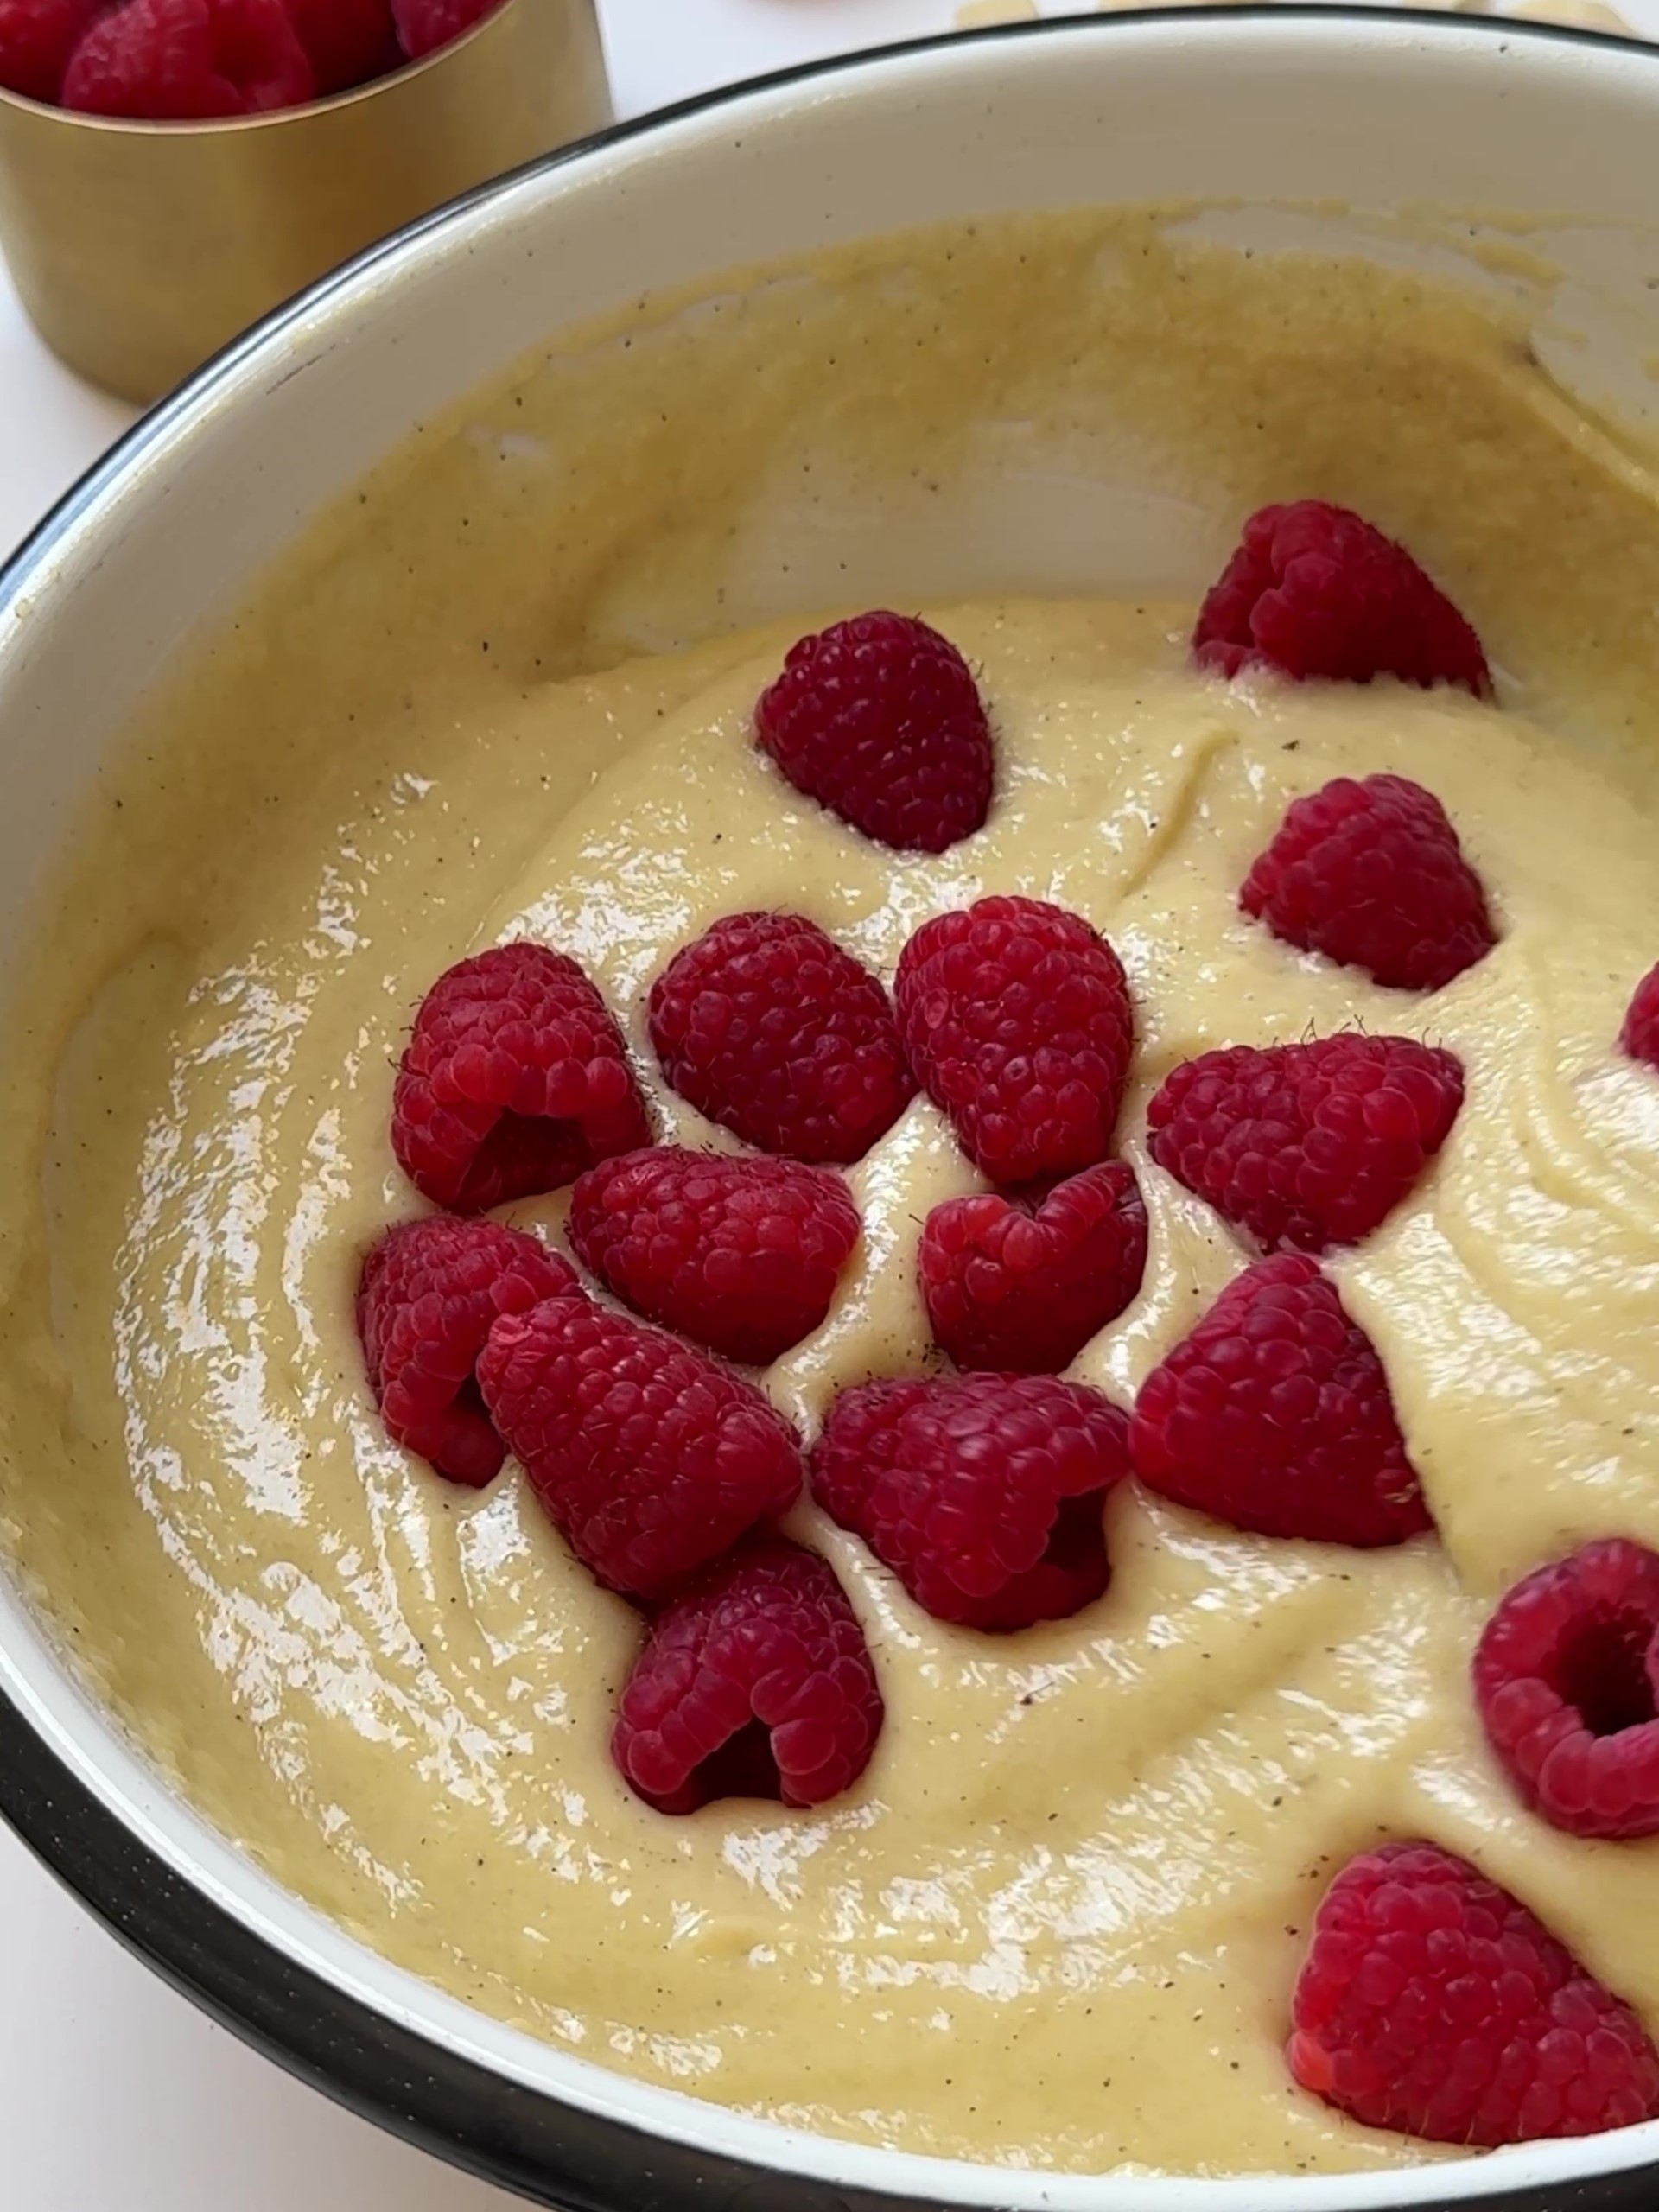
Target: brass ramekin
(140,248)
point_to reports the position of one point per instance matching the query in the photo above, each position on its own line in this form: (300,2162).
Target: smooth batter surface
(1058,1922)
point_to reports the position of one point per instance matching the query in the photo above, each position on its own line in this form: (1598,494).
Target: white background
(115,2095)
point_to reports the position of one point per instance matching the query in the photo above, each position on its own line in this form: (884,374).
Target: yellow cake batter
(1058,1921)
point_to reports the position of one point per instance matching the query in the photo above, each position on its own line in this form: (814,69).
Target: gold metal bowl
(140,248)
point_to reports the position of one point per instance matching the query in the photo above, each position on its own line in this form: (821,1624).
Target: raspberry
(515,1080)
(1316,592)
(1640,1035)
(651,1458)
(1275,1415)
(880,720)
(1434,2002)
(757,1682)
(347,42)
(174,61)
(1567,1678)
(36,40)
(741,1254)
(1021,1283)
(429,1293)
(984,1493)
(1308,1145)
(1018,1020)
(1371,874)
(769,1028)
(425,25)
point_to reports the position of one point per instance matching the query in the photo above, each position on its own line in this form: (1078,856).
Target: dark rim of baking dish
(517,2137)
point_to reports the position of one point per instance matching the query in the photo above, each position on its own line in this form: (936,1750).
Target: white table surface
(115,2095)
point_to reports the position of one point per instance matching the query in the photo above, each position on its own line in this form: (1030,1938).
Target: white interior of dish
(1368,111)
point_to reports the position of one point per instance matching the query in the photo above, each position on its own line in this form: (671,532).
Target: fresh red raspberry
(651,1458)
(1315,592)
(757,1682)
(1275,1415)
(1640,1035)
(1308,1145)
(984,1493)
(769,1028)
(1018,1020)
(1371,874)
(881,721)
(514,1081)
(1435,2003)
(1567,1678)
(1021,1283)
(740,1254)
(429,1293)
(425,25)
(36,40)
(347,42)
(175,61)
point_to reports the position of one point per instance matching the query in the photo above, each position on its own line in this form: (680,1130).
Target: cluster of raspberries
(1431,2001)
(182,61)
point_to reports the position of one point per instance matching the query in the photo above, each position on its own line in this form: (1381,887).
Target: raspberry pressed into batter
(1309,1145)
(740,1254)
(767,1026)
(1567,1678)
(1640,1035)
(756,1683)
(983,1495)
(1275,1416)
(1018,1020)
(1314,590)
(880,720)
(651,1458)
(1021,1282)
(430,1293)
(1434,2002)
(1371,874)
(515,1080)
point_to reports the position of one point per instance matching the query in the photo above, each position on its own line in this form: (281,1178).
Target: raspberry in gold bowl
(140,246)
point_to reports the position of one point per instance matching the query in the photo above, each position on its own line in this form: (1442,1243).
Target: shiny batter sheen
(1058,1922)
